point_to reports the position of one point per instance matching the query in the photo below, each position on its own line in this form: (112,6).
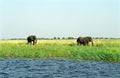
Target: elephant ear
(90,38)
(81,39)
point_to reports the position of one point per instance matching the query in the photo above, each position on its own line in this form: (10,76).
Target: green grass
(108,50)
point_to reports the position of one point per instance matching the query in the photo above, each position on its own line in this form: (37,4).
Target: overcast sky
(59,18)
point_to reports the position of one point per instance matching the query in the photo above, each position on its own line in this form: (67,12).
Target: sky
(59,18)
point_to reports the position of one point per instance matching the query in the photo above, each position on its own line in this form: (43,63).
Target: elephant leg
(78,43)
(29,42)
(87,43)
(34,42)
(84,44)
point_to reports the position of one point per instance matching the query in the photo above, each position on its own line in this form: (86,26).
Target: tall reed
(103,49)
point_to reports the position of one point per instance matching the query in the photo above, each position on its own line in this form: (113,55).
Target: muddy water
(57,68)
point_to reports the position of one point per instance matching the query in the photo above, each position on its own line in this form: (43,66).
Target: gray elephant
(84,40)
(32,39)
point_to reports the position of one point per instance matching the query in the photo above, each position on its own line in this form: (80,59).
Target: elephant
(84,40)
(32,39)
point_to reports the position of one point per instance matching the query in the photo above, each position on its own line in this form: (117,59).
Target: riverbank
(103,49)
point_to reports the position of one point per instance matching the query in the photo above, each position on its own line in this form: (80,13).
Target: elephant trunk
(92,43)
(35,41)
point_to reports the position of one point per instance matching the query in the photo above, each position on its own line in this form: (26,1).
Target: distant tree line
(59,38)
(43,38)
(56,38)
(105,38)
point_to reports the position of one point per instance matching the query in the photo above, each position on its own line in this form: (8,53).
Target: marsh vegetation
(103,49)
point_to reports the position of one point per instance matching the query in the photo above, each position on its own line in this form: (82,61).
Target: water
(57,68)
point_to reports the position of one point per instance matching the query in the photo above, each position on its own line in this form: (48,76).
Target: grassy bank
(103,49)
